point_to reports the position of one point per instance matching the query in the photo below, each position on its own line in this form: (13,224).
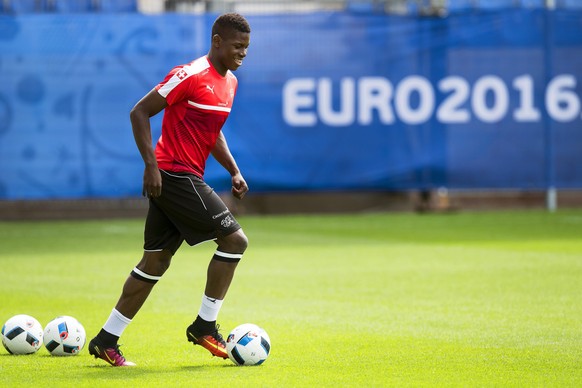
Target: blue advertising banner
(326,101)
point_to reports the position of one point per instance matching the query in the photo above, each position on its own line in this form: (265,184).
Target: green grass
(467,299)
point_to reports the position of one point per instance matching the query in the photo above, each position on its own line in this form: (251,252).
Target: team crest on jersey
(227,221)
(182,74)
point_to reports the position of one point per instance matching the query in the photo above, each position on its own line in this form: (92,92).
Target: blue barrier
(326,101)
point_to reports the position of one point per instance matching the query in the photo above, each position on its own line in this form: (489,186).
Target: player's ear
(216,39)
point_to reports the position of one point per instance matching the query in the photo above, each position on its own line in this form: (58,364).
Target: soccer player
(197,98)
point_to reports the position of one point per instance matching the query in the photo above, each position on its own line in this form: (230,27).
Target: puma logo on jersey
(210,88)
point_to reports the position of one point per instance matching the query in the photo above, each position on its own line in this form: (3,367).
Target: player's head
(230,39)
(230,22)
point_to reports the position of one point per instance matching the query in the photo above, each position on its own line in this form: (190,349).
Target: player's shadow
(206,366)
(144,370)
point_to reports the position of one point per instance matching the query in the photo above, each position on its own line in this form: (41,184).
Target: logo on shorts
(219,214)
(228,221)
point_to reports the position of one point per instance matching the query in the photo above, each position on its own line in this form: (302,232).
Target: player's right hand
(152,182)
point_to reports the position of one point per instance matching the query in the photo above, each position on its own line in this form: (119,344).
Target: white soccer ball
(248,344)
(22,334)
(64,336)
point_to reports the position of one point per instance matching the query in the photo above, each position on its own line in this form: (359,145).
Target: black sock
(203,326)
(107,339)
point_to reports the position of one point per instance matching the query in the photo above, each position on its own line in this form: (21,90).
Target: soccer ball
(64,336)
(248,344)
(22,334)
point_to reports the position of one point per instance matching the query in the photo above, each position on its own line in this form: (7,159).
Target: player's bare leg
(135,291)
(137,288)
(204,330)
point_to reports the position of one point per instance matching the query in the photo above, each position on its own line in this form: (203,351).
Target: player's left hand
(239,186)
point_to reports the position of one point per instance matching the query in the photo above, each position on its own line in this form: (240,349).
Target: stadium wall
(327,101)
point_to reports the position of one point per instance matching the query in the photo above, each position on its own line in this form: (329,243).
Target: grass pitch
(467,299)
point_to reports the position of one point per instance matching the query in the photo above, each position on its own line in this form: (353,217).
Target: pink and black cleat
(111,355)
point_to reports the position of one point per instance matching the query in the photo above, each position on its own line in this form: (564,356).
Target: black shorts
(188,209)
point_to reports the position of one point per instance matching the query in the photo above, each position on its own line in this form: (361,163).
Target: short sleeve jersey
(199,102)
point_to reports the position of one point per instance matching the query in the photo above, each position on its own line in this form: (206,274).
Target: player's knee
(240,241)
(152,266)
(231,247)
(162,267)
(236,242)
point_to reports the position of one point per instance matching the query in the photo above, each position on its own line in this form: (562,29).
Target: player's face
(233,49)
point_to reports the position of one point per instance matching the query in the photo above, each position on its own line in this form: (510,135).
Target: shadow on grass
(205,366)
(145,370)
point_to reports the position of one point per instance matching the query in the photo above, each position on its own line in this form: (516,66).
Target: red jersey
(199,101)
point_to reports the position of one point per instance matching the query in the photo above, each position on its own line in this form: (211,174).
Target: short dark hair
(230,21)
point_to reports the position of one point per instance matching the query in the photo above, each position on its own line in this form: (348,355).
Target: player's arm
(222,154)
(150,105)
